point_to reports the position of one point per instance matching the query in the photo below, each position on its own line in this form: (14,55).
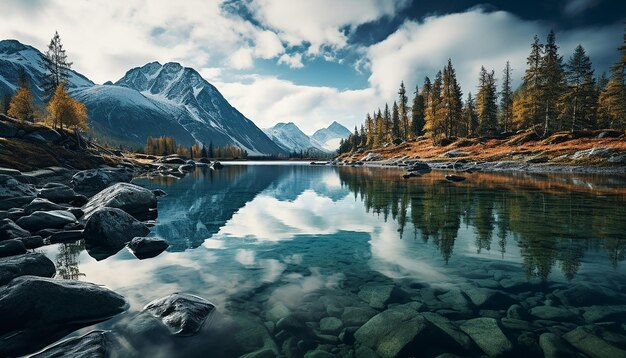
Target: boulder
(463,341)
(398,331)
(455,153)
(593,346)
(378,296)
(41,204)
(14,193)
(454,178)
(554,346)
(603,313)
(32,242)
(66,236)
(12,247)
(95,344)
(587,295)
(60,193)
(35,264)
(295,325)
(553,313)
(10,230)
(40,220)
(183,314)
(331,325)
(357,316)
(419,167)
(408,175)
(133,199)
(371,157)
(147,247)
(216,165)
(186,168)
(29,324)
(487,334)
(159,193)
(112,228)
(91,181)
(489,299)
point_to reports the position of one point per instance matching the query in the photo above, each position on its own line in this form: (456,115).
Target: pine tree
(403,103)
(486,107)
(417,113)
(451,104)
(378,129)
(387,125)
(470,118)
(552,83)
(369,127)
(528,97)
(395,122)
(433,122)
(506,99)
(56,65)
(21,105)
(612,101)
(579,102)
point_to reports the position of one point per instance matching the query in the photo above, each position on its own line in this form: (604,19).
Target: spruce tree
(417,113)
(612,101)
(486,107)
(451,104)
(433,121)
(552,83)
(403,103)
(470,118)
(56,66)
(379,129)
(395,122)
(387,125)
(369,127)
(528,97)
(506,99)
(579,102)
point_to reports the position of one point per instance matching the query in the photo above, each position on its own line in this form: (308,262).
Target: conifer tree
(387,125)
(395,122)
(451,105)
(612,101)
(486,107)
(552,83)
(21,105)
(56,65)
(379,130)
(506,99)
(433,121)
(369,127)
(579,102)
(403,103)
(417,113)
(470,118)
(528,97)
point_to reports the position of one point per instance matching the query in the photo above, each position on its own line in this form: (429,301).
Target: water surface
(266,241)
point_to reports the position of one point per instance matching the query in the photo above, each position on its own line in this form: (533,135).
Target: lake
(538,258)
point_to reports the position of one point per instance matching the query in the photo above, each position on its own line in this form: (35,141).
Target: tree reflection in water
(67,260)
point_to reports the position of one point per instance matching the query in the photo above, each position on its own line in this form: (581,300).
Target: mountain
(152,100)
(291,139)
(15,56)
(331,136)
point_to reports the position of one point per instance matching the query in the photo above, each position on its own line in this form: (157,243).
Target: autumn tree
(486,107)
(579,102)
(21,105)
(64,111)
(56,65)
(417,113)
(506,98)
(612,101)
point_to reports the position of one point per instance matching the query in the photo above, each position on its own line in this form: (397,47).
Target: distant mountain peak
(290,138)
(331,135)
(12,46)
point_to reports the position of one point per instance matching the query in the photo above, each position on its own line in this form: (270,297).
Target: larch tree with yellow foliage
(21,105)
(66,112)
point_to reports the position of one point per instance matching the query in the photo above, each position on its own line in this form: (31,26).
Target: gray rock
(318,354)
(34,264)
(40,220)
(296,325)
(95,344)
(331,325)
(60,193)
(554,313)
(12,247)
(554,346)
(378,296)
(146,247)
(517,312)
(456,300)
(14,193)
(487,334)
(66,236)
(587,295)
(394,331)
(113,228)
(590,344)
(455,153)
(10,230)
(133,199)
(32,242)
(183,314)
(446,326)
(91,181)
(594,314)
(41,204)
(357,316)
(27,325)
(485,298)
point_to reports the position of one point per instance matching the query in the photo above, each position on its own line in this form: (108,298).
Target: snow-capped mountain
(291,139)
(152,100)
(15,56)
(330,136)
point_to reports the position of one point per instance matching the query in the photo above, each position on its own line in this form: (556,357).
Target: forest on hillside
(555,95)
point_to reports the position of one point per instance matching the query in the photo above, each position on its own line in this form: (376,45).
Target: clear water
(265,241)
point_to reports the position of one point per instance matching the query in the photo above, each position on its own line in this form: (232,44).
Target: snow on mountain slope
(291,139)
(331,136)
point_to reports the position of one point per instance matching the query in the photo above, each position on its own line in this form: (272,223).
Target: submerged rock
(40,220)
(487,334)
(553,313)
(587,295)
(183,314)
(14,193)
(147,247)
(585,341)
(331,325)
(378,296)
(95,344)
(29,324)
(35,264)
(357,316)
(554,346)
(112,228)
(133,199)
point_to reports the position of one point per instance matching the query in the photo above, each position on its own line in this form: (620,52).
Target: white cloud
(472,39)
(293,61)
(242,59)
(575,7)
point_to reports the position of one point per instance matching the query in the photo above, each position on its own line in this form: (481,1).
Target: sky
(313,62)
